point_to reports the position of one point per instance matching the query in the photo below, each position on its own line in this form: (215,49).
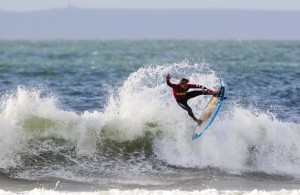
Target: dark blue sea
(96,117)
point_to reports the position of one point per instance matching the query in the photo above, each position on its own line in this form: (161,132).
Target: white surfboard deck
(209,114)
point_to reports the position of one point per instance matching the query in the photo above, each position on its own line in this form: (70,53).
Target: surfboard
(209,114)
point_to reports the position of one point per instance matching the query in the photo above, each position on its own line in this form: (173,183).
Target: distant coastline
(74,23)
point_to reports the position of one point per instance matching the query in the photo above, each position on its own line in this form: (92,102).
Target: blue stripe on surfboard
(211,120)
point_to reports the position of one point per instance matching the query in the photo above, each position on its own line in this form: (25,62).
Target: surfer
(181,94)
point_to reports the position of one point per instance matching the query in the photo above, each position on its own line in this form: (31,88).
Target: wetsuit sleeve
(169,83)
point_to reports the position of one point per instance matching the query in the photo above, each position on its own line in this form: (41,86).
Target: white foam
(156,192)
(239,140)
(244,140)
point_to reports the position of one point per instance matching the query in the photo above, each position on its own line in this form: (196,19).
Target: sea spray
(244,140)
(141,130)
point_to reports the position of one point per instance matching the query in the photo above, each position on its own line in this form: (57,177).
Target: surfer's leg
(185,106)
(193,94)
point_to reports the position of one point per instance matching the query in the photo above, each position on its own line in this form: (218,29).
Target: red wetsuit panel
(179,92)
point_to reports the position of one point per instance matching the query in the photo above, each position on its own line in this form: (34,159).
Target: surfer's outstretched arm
(168,78)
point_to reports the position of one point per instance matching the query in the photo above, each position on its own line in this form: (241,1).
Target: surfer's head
(184,81)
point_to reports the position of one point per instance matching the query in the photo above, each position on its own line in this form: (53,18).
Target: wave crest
(140,128)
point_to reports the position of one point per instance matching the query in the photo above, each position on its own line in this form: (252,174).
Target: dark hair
(183,80)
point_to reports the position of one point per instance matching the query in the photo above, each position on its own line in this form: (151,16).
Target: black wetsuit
(183,102)
(182,95)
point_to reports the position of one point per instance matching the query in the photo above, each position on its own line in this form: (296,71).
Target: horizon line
(148,9)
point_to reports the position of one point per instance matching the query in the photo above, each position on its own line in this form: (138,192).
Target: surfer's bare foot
(214,93)
(211,92)
(199,121)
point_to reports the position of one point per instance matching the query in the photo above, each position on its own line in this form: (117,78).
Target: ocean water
(96,117)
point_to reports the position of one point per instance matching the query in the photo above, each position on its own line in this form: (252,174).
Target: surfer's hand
(168,77)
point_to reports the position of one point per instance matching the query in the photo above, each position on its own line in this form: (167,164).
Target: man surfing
(181,94)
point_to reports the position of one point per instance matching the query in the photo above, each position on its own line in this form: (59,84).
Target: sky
(188,19)
(33,5)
